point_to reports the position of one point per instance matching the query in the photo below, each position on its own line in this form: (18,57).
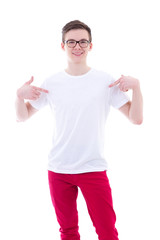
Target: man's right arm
(24,110)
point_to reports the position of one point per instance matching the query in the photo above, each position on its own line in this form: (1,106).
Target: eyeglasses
(73,43)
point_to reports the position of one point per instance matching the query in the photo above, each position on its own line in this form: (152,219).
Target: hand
(126,83)
(30,92)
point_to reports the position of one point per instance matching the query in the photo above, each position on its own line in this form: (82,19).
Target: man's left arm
(132,109)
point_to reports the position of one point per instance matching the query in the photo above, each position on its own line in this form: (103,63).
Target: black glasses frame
(75,43)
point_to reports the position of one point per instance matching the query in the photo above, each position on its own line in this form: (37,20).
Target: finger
(115,83)
(30,81)
(124,90)
(123,87)
(41,89)
(35,96)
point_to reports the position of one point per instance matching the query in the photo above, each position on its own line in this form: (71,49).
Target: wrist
(136,86)
(19,97)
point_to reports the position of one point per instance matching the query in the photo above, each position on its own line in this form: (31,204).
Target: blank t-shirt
(80,105)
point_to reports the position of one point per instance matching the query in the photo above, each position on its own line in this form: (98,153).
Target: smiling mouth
(77,54)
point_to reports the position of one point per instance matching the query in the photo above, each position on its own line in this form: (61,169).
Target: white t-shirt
(80,105)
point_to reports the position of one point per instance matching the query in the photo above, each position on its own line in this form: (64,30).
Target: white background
(125,41)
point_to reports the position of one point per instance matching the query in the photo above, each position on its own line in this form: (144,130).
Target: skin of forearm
(136,108)
(21,110)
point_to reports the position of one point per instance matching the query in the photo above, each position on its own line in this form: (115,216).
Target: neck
(77,69)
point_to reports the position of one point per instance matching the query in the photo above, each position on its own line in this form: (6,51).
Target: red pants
(96,190)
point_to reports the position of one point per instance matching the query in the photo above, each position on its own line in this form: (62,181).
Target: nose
(77,46)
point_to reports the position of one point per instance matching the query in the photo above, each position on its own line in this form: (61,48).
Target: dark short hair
(76,24)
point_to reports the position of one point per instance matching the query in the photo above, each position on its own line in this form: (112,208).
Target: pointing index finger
(115,83)
(41,89)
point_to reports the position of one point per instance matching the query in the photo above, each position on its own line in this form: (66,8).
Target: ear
(90,46)
(62,46)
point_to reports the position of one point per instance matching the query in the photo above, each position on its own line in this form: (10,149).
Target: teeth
(77,54)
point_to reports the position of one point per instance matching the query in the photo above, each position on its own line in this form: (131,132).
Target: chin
(75,60)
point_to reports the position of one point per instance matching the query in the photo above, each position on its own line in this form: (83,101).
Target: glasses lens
(83,43)
(71,43)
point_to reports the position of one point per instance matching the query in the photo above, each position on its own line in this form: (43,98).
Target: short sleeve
(117,97)
(42,101)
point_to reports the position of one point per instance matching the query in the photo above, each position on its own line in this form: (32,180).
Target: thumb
(30,81)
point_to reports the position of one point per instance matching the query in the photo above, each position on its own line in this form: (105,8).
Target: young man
(80,98)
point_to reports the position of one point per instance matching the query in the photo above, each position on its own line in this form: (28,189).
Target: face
(77,54)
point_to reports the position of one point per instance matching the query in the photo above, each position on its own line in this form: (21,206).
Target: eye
(71,42)
(83,43)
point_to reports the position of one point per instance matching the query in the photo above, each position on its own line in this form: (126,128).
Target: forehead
(77,34)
